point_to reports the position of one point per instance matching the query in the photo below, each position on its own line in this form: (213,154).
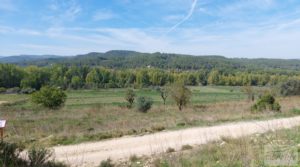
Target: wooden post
(2,126)
(1,133)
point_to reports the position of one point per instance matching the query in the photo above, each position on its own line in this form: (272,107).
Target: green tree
(76,82)
(35,77)
(164,93)
(181,95)
(214,77)
(250,92)
(143,78)
(10,76)
(93,78)
(129,97)
(290,88)
(49,97)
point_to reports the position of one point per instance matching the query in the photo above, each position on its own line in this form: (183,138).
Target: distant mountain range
(132,59)
(25,58)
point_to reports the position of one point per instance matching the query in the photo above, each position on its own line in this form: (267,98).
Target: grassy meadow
(91,115)
(115,97)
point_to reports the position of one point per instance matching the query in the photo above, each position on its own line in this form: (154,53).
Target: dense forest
(119,69)
(130,59)
(77,77)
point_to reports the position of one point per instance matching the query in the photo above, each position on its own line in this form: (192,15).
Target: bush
(49,97)
(10,156)
(38,156)
(266,102)
(2,90)
(144,104)
(130,96)
(106,163)
(290,88)
(170,150)
(186,147)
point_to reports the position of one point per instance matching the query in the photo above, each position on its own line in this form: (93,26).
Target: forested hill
(131,59)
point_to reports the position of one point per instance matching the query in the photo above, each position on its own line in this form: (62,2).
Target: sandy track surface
(2,102)
(91,154)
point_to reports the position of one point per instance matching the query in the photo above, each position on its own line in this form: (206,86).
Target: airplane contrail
(191,11)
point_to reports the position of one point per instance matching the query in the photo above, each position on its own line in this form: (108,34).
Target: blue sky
(232,28)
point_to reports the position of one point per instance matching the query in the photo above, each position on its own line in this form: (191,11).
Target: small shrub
(186,147)
(38,156)
(144,104)
(2,90)
(10,157)
(133,158)
(9,154)
(170,150)
(181,124)
(266,102)
(158,128)
(49,97)
(106,163)
(129,97)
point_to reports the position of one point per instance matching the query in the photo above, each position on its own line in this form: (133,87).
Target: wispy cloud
(63,11)
(104,15)
(190,13)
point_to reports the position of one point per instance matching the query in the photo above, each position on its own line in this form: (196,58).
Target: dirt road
(2,102)
(91,154)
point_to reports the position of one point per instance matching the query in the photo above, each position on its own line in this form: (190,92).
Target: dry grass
(70,126)
(245,151)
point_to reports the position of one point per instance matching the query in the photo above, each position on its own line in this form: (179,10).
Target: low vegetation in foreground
(246,151)
(13,155)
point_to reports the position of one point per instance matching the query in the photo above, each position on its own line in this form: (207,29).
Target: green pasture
(200,95)
(115,97)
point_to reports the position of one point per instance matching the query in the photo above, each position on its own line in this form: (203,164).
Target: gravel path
(91,154)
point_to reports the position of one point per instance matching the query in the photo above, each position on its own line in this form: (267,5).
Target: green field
(115,97)
(91,115)
(201,95)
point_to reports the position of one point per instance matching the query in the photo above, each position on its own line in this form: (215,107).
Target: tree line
(85,77)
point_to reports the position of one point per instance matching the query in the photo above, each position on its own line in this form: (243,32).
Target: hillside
(132,59)
(25,58)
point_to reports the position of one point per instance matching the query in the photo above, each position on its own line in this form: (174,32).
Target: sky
(231,28)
